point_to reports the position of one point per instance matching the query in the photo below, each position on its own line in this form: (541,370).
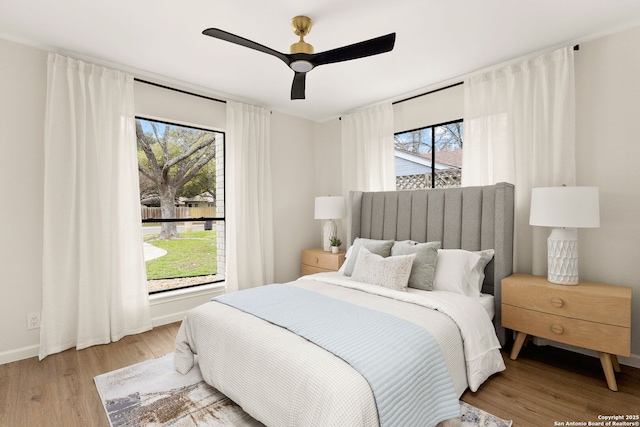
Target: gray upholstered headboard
(471,218)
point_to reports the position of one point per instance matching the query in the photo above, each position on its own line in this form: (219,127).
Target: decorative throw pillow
(379,247)
(391,272)
(424,265)
(461,271)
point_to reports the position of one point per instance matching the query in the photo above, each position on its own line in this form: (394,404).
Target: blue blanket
(401,361)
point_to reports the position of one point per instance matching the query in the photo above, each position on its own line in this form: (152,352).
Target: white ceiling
(437,41)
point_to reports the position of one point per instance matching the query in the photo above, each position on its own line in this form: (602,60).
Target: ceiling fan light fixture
(301,66)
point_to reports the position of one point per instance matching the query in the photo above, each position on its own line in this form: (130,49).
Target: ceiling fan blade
(232,38)
(363,49)
(297,88)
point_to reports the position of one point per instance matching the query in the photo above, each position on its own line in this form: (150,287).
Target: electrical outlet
(33,320)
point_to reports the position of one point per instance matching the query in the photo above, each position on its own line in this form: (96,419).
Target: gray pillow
(378,247)
(424,265)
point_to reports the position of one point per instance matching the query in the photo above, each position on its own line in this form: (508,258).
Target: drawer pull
(557,302)
(316,259)
(557,329)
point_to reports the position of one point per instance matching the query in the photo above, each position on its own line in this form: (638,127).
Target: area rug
(152,393)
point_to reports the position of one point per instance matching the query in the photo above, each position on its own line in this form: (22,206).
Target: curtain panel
(94,278)
(368,162)
(368,157)
(249,224)
(519,126)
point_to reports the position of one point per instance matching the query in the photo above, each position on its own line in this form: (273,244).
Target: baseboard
(166,307)
(19,354)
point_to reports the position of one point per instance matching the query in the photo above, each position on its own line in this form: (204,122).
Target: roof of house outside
(408,163)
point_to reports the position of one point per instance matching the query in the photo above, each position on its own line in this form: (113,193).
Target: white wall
(440,106)
(23,80)
(608,156)
(328,163)
(294,178)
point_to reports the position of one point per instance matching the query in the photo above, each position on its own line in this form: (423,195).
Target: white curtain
(368,162)
(249,216)
(93,273)
(519,126)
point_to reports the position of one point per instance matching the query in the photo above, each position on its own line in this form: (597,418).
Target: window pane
(414,141)
(421,151)
(448,154)
(181,187)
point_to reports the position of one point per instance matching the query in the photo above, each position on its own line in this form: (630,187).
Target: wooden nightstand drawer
(307,269)
(596,336)
(321,259)
(588,301)
(318,261)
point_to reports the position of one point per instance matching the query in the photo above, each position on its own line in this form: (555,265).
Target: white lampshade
(566,209)
(574,207)
(329,208)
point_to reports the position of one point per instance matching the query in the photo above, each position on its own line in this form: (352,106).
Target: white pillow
(461,271)
(391,272)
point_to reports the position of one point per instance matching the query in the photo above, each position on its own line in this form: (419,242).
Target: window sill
(212,289)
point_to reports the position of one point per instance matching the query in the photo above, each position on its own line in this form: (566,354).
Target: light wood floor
(545,385)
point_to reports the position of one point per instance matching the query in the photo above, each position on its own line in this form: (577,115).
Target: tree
(416,141)
(170,156)
(421,141)
(204,183)
(448,137)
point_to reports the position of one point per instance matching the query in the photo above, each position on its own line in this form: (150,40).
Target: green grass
(193,254)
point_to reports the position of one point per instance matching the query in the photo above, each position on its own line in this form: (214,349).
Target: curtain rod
(427,93)
(179,90)
(575,47)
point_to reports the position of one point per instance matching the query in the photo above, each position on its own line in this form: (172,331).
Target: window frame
(215,219)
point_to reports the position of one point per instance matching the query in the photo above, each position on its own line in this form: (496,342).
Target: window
(429,157)
(181,172)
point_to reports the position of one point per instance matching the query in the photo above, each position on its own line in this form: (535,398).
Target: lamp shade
(329,207)
(570,207)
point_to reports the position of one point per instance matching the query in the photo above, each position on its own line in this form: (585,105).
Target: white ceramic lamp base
(330,230)
(562,256)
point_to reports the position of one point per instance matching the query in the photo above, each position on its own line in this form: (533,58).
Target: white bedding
(283,380)
(481,346)
(487,301)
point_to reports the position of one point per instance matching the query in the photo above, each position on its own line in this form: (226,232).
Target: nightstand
(589,315)
(318,261)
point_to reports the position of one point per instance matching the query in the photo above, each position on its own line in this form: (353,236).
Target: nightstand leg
(517,345)
(614,362)
(607,366)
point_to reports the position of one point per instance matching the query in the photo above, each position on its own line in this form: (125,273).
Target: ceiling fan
(302,59)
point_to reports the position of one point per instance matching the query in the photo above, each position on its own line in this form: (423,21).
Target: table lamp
(565,209)
(329,208)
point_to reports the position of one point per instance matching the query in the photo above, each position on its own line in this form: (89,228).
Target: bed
(334,349)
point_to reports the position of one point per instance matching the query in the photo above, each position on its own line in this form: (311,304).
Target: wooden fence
(181,212)
(444,178)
